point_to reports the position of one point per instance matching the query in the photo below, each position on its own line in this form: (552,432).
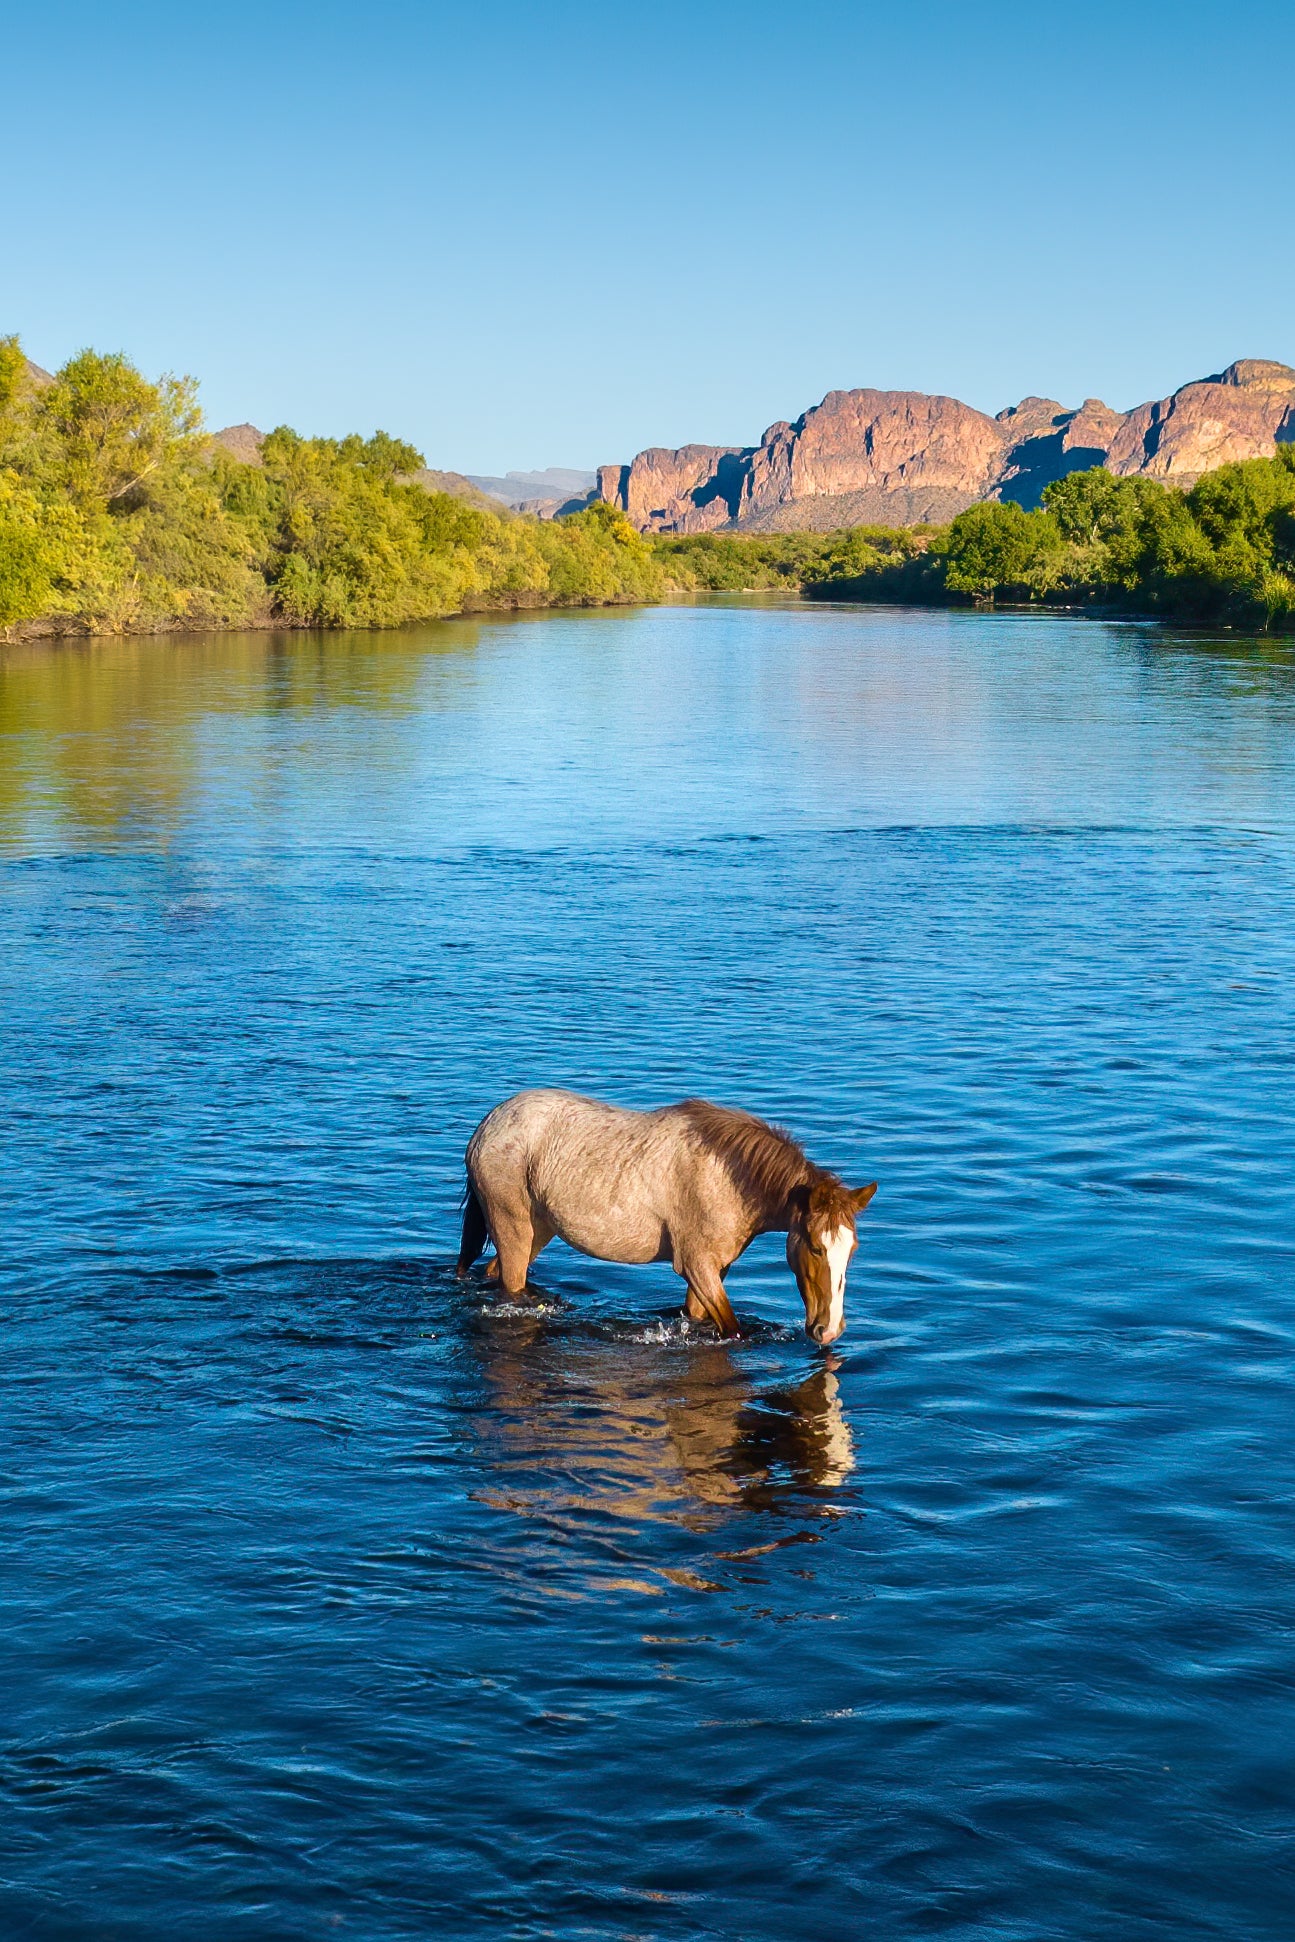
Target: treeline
(118,513)
(857,562)
(1224,551)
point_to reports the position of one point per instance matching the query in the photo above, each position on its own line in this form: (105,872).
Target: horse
(691,1184)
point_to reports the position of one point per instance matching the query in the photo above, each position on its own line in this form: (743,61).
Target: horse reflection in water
(589,1426)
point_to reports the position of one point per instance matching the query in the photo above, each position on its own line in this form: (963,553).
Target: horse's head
(820,1241)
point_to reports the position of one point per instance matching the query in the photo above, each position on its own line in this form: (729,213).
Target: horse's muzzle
(823,1333)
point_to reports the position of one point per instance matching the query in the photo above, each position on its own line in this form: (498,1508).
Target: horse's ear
(798,1200)
(862,1195)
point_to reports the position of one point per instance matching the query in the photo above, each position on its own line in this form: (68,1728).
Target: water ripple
(340,1596)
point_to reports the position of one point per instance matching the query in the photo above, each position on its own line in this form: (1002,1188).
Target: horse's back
(546,1119)
(603,1177)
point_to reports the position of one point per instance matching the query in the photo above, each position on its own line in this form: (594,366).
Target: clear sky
(526,234)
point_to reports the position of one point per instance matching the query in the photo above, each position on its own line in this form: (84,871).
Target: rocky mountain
(895,458)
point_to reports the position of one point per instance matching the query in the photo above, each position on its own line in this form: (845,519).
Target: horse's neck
(776,1214)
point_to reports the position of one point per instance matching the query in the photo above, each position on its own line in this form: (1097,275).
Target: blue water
(339,1598)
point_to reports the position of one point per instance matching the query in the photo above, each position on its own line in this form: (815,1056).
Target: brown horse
(692,1184)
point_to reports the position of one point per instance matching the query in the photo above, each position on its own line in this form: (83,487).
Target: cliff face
(883,441)
(889,457)
(1239,415)
(688,491)
(899,457)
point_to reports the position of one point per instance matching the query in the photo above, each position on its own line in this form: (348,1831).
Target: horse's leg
(706,1297)
(541,1235)
(514,1242)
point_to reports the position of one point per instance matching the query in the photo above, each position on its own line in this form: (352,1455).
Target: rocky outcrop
(1044,441)
(1240,414)
(874,442)
(901,457)
(688,491)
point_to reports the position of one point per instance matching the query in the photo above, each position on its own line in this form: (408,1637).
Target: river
(340,1598)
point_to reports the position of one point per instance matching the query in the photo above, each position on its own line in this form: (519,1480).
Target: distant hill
(242,442)
(897,458)
(455,484)
(524,490)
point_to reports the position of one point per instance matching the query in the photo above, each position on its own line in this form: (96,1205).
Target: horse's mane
(764,1162)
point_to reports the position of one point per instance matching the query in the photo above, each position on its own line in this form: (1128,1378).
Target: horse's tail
(475,1232)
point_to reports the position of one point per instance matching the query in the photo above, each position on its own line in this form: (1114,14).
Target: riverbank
(1221,554)
(65,628)
(118,515)
(54,632)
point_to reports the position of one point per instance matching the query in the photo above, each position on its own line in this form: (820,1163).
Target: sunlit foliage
(117,513)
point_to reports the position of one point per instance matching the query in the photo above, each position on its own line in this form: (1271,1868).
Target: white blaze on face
(838,1247)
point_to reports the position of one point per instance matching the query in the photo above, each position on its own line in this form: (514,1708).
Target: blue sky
(526,235)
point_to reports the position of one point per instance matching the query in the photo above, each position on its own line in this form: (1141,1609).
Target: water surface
(341,1599)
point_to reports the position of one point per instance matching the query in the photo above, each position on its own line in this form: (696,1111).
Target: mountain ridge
(900,458)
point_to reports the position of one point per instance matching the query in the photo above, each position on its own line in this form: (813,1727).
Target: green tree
(382,455)
(17,399)
(55,560)
(1247,514)
(1084,504)
(999,548)
(110,429)
(596,556)
(13,384)
(28,560)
